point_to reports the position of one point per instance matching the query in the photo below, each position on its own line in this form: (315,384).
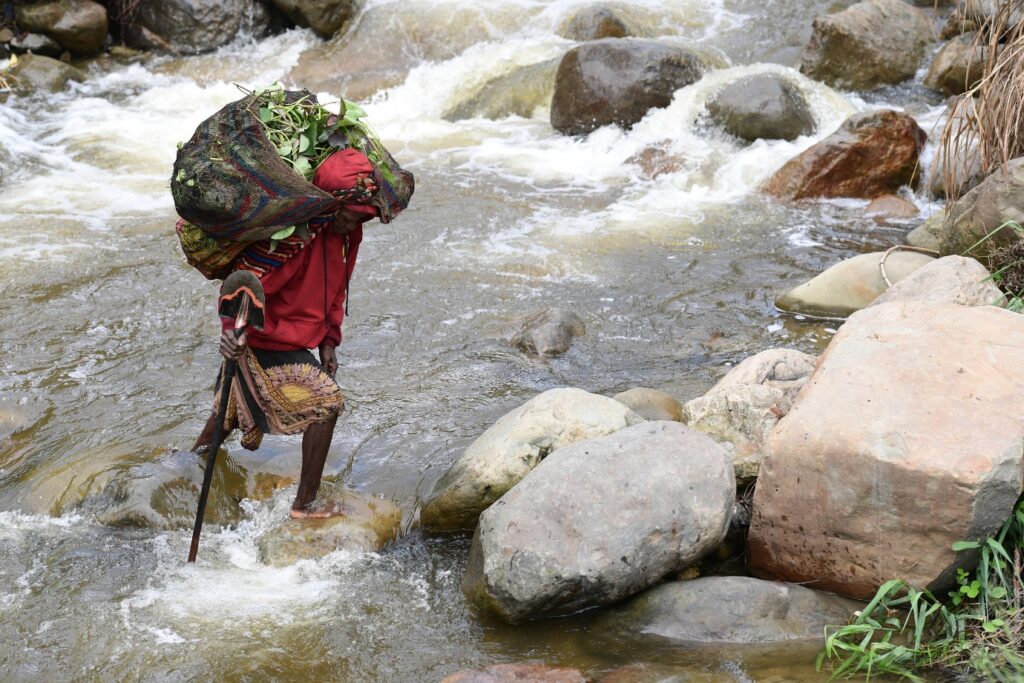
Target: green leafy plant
(1007,261)
(905,631)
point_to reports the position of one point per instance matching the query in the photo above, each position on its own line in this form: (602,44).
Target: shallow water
(108,355)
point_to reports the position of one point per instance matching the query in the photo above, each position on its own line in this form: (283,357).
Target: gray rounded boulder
(617,80)
(600,520)
(765,106)
(725,610)
(190,27)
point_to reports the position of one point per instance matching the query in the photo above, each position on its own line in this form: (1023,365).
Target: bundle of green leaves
(305,133)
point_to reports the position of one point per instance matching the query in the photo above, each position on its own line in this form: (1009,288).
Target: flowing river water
(108,353)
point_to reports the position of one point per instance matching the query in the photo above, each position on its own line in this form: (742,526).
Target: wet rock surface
(744,406)
(766,106)
(79,26)
(518,93)
(725,610)
(868,44)
(36,43)
(164,493)
(906,439)
(850,285)
(891,206)
(325,17)
(35,73)
(651,404)
(871,154)
(593,22)
(189,27)
(513,446)
(365,525)
(957,67)
(599,520)
(549,332)
(617,80)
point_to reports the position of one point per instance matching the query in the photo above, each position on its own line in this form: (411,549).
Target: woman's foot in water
(318,510)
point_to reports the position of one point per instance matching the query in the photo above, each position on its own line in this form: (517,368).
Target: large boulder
(871,154)
(365,525)
(549,332)
(957,67)
(617,80)
(600,520)
(951,279)
(35,73)
(850,285)
(325,17)
(764,106)
(651,404)
(907,438)
(519,673)
(996,200)
(928,235)
(593,22)
(189,27)
(869,44)
(513,446)
(732,610)
(518,93)
(745,405)
(80,26)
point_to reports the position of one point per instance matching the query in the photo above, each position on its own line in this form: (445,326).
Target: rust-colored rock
(519,673)
(907,438)
(890,206)
(871,154)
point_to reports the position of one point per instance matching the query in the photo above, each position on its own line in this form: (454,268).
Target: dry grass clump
(989,118)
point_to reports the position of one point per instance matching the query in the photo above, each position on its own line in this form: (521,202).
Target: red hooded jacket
(305,296)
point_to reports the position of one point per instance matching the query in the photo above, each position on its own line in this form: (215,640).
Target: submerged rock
(80,26)
(34,73)
(871,154)
(384,44)
(658,160)
(548,333)
(36,43)
(190,27)
(928,235)
(164,494)
(325,17)
(850,285)
(952,280)
(600,520)
(519,673)
(957,67)
(998,199)
(593,22)
(518,93)
(617,80)
(724,610)
(366,525)
(651,404)
(890,206)
(907,438)
(513,446)
(868,44)
(765,106)
(745,405)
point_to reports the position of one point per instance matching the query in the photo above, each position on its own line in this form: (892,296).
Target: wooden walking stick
(241,300)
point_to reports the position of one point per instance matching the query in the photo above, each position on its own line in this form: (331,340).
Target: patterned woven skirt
(278,392)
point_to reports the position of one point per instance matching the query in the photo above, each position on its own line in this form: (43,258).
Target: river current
(108,352)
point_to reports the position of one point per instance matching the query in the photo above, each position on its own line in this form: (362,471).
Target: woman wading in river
(280,388)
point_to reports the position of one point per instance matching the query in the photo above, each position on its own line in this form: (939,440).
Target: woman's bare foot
(322,511)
